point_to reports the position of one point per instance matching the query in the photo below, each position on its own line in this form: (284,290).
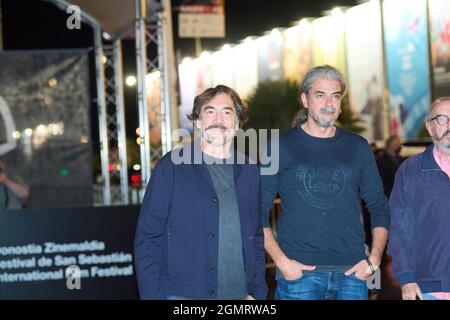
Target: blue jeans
(322,286)
(172,297)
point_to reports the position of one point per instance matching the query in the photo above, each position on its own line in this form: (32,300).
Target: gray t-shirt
(231,274)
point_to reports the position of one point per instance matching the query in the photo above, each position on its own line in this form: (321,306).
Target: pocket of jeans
(293,280)
(354,277)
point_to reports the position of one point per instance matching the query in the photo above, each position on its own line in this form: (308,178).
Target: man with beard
(420,204)
(324,170)
(199,233)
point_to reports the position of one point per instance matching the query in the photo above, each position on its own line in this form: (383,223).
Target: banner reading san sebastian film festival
(70,253)
(328,41)
(365,66)
(407,61)
(440,45)
(297,52)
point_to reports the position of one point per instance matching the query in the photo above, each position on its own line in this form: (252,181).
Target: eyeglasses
(441,119)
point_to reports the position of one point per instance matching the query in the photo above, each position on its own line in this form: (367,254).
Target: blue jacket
(420,224)
(176,244)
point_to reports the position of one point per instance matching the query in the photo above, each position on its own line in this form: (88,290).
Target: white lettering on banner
(109,258)
(34,275)
(94,245)
(113,271)
(31,248)
(48,267)
(18,263)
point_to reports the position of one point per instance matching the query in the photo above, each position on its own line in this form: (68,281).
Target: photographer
(13,193)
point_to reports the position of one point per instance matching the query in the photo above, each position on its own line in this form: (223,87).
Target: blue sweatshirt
(321,182)
(420,239)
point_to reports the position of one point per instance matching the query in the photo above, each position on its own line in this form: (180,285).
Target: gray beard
(322,123)
(444,147)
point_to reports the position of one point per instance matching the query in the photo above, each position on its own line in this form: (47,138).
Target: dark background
(115,226)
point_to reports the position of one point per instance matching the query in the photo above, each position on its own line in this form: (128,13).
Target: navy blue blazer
(176,244)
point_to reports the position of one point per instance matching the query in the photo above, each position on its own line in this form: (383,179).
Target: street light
(130,81)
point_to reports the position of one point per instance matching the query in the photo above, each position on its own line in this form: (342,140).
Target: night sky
(254,17)
(32,24)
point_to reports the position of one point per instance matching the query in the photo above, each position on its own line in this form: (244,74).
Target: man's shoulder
(186,153)
(166,159)
(286,137)
(353,141)
(353,137)
(289,133)
(412,163)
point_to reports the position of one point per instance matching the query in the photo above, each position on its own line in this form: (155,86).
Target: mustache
(446,133)
(328,109)
(216,126)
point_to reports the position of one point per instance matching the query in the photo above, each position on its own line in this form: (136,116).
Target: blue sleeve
(150,229)
(269,187)
(372,190)
(260,285)
(401,235)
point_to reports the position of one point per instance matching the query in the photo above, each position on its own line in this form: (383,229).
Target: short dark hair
(210,93)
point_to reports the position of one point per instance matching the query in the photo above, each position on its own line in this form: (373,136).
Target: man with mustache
(324,171)
(199,234)
(420,205)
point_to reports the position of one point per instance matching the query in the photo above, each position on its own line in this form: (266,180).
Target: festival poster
(187,73)
(329,41)
(407,62)
(365,67)
(297,51)
(245,67)
(440,45)
(222,66)
(270,57)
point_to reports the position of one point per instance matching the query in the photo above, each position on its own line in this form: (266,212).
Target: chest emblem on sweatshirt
(321,186)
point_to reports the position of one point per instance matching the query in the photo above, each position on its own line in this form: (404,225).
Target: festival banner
(407,61)
(365,67)
(440,45)
(329,41)
(297,53)
(245,67)
(270,57)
